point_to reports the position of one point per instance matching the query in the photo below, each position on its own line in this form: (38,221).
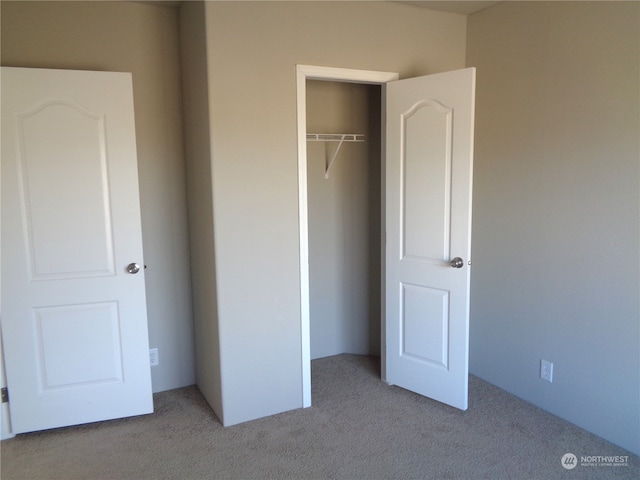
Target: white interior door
(74,320)
(428,220)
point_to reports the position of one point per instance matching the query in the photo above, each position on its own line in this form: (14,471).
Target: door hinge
(5,394)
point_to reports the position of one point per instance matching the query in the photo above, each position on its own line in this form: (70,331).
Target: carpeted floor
(357,428)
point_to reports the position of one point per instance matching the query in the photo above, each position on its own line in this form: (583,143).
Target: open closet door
(429,165)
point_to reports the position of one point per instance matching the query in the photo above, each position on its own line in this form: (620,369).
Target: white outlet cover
(546,370)
(154,360)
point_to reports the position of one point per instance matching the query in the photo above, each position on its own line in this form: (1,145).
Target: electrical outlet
(546,371)
(153,357)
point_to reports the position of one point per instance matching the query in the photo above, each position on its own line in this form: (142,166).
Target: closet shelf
(334,137)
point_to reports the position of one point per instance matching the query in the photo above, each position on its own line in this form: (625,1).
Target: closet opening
(344,208)
(332,337)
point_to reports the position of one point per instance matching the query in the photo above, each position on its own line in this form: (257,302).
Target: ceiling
(453,6)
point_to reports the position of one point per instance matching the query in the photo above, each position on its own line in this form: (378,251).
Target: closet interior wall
(344,220)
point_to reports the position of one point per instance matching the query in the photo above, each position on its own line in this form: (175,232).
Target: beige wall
(142,39)
(195,94)
(556,209)
(252,50)
(344,220)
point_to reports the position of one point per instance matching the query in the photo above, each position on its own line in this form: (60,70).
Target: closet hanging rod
(335,137)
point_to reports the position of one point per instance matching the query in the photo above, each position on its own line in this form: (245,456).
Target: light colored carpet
(357,428)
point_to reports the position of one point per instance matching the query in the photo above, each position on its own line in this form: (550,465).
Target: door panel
(426,132)
(74,321)
(91,355)
(424,320)
(428,221)
(51,208)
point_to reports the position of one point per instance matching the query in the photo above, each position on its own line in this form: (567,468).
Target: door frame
(311,72)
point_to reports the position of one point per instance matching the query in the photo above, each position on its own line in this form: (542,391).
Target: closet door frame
(304,73)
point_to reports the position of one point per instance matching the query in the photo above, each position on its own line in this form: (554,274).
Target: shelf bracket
(334,137)
(333,158)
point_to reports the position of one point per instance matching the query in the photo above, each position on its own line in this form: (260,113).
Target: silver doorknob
(133,268)
(457,262)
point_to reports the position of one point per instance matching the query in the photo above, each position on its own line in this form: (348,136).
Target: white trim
(304,73)
(349,75)
(303,235)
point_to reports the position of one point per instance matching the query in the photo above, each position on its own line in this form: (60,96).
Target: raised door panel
(66,237)
(425,325)
(426,181)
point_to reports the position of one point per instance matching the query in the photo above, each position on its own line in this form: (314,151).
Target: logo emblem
(569,461)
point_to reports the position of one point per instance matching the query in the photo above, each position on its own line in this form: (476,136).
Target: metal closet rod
(334,137)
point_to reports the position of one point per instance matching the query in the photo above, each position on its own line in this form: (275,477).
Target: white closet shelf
(334,137)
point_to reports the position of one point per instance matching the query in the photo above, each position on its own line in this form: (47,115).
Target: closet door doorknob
(457,262)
